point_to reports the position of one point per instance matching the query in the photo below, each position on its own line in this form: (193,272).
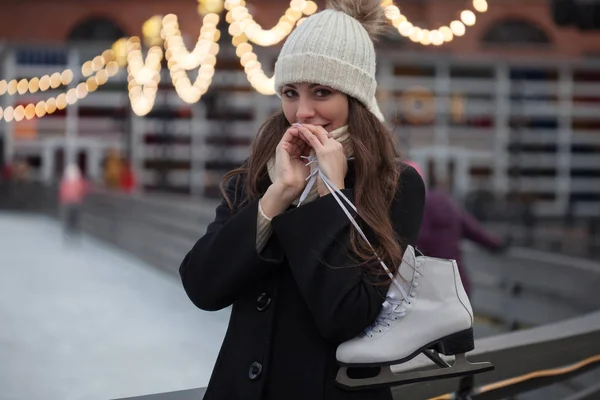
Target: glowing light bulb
(9,114)
(468,17)
(446,33)
(51,105)
(480,5)
(34,85)
(40,109)
(66,77)
(458,29)
(30,111)
(23,86)
(19,113)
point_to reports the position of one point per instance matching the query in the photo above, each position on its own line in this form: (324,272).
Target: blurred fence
(524,290)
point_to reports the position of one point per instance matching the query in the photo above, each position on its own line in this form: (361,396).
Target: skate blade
(386,377)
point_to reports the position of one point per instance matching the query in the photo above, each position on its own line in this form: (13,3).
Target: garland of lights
(144,75)
(436,37)
(104,67)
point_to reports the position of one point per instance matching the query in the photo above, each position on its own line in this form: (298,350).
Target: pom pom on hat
(369,13)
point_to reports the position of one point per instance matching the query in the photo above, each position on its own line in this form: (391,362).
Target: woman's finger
(296,132)
(291,136)
(287,137)
(312,140)
(320,132)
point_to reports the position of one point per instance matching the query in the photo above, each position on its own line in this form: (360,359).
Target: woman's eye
(322,93)
(289,93)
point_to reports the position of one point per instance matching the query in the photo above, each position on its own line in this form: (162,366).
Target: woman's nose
(305,110)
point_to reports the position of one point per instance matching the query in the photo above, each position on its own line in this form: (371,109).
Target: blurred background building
(509,107)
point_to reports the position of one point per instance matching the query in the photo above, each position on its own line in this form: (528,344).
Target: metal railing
(523,362)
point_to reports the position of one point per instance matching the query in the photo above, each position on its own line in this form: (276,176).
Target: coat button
(263,302)
(255,371)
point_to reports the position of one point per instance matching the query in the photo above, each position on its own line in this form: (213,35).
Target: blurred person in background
(445,224)
(21,172)
(113,169)
(128,181)
(73,189)
(7,172)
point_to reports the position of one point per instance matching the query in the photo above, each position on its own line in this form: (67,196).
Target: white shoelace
(391,305)
(391,310)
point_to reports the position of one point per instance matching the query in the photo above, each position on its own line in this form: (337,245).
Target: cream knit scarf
(341,135)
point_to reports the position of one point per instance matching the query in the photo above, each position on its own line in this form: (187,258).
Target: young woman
(299,277)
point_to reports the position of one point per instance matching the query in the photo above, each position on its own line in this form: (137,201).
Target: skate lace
(392,309)
(391,303)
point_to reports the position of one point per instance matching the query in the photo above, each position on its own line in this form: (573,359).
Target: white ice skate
(436,317)
(426,311)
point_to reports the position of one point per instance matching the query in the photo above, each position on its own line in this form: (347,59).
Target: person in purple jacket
(445,224)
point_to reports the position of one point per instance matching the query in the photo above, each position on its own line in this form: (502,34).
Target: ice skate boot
(427,312)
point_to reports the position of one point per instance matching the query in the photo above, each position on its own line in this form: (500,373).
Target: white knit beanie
(334,48)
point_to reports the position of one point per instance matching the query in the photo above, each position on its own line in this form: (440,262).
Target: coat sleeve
(225,262)
(315,239)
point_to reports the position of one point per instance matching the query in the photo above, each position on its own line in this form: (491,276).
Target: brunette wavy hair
(377,175)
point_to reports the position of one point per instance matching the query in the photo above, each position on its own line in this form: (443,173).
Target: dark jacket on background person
(291,306)
(444,226)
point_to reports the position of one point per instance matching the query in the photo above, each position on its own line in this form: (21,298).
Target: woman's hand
(290,169)
(330,155)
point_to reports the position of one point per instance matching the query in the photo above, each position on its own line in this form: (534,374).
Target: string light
(241,21)
(437,37)
(252,67)
(57,79)
(144,75)
(9,114)
(468,17)
(19,113)
(480,5)
(49,106)
(40,109)
(458,28)
(30,111)
(180,60)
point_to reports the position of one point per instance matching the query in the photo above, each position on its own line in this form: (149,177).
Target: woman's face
(311,103)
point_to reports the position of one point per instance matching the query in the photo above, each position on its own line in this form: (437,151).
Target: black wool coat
(291,306)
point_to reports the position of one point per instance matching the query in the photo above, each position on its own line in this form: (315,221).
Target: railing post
(10,72)
(565,116)
(72,112)
(502,128)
